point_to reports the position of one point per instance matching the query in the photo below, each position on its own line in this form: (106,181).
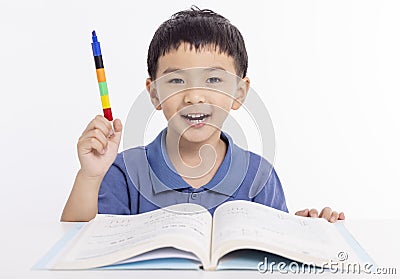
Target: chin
(199,135)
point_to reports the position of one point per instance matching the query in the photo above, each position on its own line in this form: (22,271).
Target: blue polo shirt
(143,178)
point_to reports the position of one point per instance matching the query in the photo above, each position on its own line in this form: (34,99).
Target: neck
(187,154)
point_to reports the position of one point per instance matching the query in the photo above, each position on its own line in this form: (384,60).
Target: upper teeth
(195,115)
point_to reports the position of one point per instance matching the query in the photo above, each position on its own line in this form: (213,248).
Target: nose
(194,96)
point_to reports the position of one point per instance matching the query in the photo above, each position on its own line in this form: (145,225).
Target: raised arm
(97,150)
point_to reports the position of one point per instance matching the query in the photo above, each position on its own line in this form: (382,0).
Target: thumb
(116,137)
(303,213)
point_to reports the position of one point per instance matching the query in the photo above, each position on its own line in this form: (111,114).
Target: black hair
(198,28)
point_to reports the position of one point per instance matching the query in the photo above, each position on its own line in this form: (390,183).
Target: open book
(187,233)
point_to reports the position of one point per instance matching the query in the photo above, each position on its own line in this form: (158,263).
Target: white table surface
(23,244)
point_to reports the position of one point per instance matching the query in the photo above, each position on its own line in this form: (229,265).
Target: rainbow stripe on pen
(101,77)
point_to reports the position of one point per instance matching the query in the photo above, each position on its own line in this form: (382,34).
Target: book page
(244,224)
(161,253)
(108,239)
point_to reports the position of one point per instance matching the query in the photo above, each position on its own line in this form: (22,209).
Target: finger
(99,122)
(341,216)
(91,144)
(116,137)
(98,134)
(334,217)
(326,213)
(117,125)
(303,212)
(313,213)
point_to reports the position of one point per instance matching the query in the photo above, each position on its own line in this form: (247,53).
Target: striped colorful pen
(101,77)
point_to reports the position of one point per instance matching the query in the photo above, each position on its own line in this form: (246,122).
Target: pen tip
(94,33)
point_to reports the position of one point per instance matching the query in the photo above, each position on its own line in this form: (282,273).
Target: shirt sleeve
(114,193)
(272,194)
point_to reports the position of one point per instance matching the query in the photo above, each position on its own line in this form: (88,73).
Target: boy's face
(196,90)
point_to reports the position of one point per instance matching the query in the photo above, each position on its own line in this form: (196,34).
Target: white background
(328,71)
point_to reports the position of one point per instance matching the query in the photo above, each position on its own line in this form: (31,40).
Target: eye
(213,80)
(176,81)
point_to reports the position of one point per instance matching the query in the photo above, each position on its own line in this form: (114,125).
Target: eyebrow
(209,69)
(170,70)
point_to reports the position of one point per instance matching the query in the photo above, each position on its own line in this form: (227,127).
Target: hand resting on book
(326,213)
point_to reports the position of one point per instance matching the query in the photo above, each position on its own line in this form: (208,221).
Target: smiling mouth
(196,118)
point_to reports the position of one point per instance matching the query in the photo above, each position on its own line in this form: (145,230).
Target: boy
(191,160)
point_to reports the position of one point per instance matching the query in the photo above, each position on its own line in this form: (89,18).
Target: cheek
(223,101)
(169,108)
(168,113)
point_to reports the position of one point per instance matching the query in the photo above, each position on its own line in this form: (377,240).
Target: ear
(150,86)
(242,90)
